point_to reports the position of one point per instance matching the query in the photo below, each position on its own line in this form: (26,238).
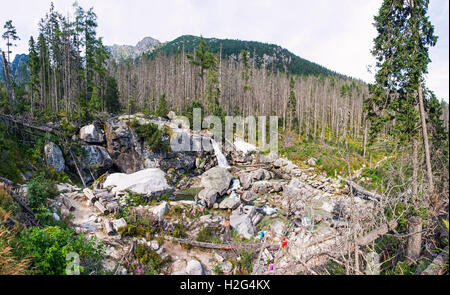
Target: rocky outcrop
(96,157)
(92,134)
(217,178)
(149,182)
(54,156)
(121,144)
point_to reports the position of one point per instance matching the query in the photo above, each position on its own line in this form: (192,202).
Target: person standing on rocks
(226,230)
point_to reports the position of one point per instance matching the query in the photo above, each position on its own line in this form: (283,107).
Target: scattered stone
(159,210)
(194,267)
(261,187)
(227,267)
(118,224)
(312,161)
(248,196)
(218,257)
(179,266)
(154,245)
(171,115)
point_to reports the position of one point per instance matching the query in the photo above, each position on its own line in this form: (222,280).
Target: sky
(336,34)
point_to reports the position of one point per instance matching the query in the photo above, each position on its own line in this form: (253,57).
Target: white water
(221,160)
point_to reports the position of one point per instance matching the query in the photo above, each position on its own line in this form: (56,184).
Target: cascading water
(221,160)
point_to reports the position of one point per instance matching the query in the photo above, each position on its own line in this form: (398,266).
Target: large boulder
(217,178)
(209,196)
(248,196)
(232,202)
(128,162)
(243,225)
(91,134)
(261,187)
(54,156)
(248,178)
(179,161)
(151,181)
(159,210)
(96,157)
(123,146)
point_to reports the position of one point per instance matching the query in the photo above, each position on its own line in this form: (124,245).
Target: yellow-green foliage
(7,205)
(9,264)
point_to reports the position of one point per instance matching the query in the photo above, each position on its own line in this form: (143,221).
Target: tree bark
(415,238)
(426,144)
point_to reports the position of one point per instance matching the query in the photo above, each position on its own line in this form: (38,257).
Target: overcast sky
(336,34)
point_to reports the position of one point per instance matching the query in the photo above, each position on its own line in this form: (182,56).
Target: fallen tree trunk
(101,208)
(90,195)
(231,246)
(357,189)
(376,233)
(76,166)
(30,124)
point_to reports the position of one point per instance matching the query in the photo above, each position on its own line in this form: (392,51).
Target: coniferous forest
(90,183)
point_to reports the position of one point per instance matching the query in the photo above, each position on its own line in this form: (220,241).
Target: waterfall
(221,160)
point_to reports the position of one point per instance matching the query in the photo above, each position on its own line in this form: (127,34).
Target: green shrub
(149,262)
(179,231)
(7,204)
(245,265)
(40,188)
(10,157)
(207,234)
(152,137)
(47,249)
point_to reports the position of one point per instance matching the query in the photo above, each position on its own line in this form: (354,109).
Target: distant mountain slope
(19,69)
(124,52)
(280,57)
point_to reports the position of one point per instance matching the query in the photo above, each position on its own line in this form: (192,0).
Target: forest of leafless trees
(323,107)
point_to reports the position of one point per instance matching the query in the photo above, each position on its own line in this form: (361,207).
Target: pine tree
(162,110)
(34,66)
(401,50)
(10,35)
(292,102)
(112,96)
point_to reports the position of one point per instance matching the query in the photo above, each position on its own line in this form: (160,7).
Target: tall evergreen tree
(112,96)
(10,35)
(401,50)
(34,66)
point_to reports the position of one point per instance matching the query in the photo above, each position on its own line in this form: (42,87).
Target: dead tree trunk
(414,239)
(7,81)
